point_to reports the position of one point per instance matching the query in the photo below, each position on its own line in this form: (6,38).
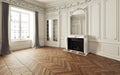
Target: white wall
(54,15)
(63,27)
(0,24)
(41,27)
(103,27)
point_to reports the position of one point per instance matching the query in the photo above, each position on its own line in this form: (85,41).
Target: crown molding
(24,4)
(68,5)
(65,3)
(40,4)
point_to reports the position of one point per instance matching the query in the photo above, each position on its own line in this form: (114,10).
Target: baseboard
(105,55)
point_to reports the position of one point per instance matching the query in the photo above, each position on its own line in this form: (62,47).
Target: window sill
(19,40)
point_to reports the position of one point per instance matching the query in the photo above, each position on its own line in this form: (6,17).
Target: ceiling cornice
(49,6)
(63,3)
(24,4)
(67,5)
(35,2)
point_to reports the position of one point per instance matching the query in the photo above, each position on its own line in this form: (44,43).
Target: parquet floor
(55,61)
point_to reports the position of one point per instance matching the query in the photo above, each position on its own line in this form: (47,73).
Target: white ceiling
(50,1)
(47,1)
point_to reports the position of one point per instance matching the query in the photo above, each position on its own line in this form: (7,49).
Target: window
(52,30)
(47,30)
(55,30)
(21,22)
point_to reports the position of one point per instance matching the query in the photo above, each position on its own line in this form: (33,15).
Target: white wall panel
(41,28)
(20,45)
(111,49)
(63,28)
(95,22)
(119,18)
(94,47)
(0,24)
(104,29)
(0,21)
(110,26)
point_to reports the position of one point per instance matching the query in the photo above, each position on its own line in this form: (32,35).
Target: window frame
(20,13)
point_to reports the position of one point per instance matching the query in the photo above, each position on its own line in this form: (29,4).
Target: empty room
(59,37)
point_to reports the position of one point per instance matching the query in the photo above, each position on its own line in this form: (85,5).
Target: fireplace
(78,44)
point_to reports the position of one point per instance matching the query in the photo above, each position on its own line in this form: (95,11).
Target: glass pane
(50,27)
(47,30)
(55,30)
(25,26)
(15,18)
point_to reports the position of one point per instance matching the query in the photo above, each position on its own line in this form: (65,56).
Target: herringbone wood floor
(55,61)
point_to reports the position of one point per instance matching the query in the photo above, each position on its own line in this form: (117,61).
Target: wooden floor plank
(4,70)
(55,61)
(15,66)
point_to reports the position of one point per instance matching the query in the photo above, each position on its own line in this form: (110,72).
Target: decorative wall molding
(36,2)
(109,50)
(109,47)
(95,7)
(83,29)
(108,20)
(67,5)
(77,9)
(24,4)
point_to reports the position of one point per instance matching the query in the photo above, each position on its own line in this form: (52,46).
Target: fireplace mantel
(78,44)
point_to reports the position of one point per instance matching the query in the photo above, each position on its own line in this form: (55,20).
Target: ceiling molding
(67,5)
(24,4)
(52,6)
(64,3)
(40,4)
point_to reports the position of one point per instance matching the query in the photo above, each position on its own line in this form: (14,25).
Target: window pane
(15,18)
(25,26)
(48,30)
(55,30)
(21,24)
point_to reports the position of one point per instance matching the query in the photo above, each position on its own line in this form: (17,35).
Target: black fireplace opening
(76,44)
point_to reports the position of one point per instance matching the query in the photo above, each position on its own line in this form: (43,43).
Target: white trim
(105,38)
(24,4)
(101,41)
(104,54)
(70,4)
(110,50)
(20,12)
(90,23)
